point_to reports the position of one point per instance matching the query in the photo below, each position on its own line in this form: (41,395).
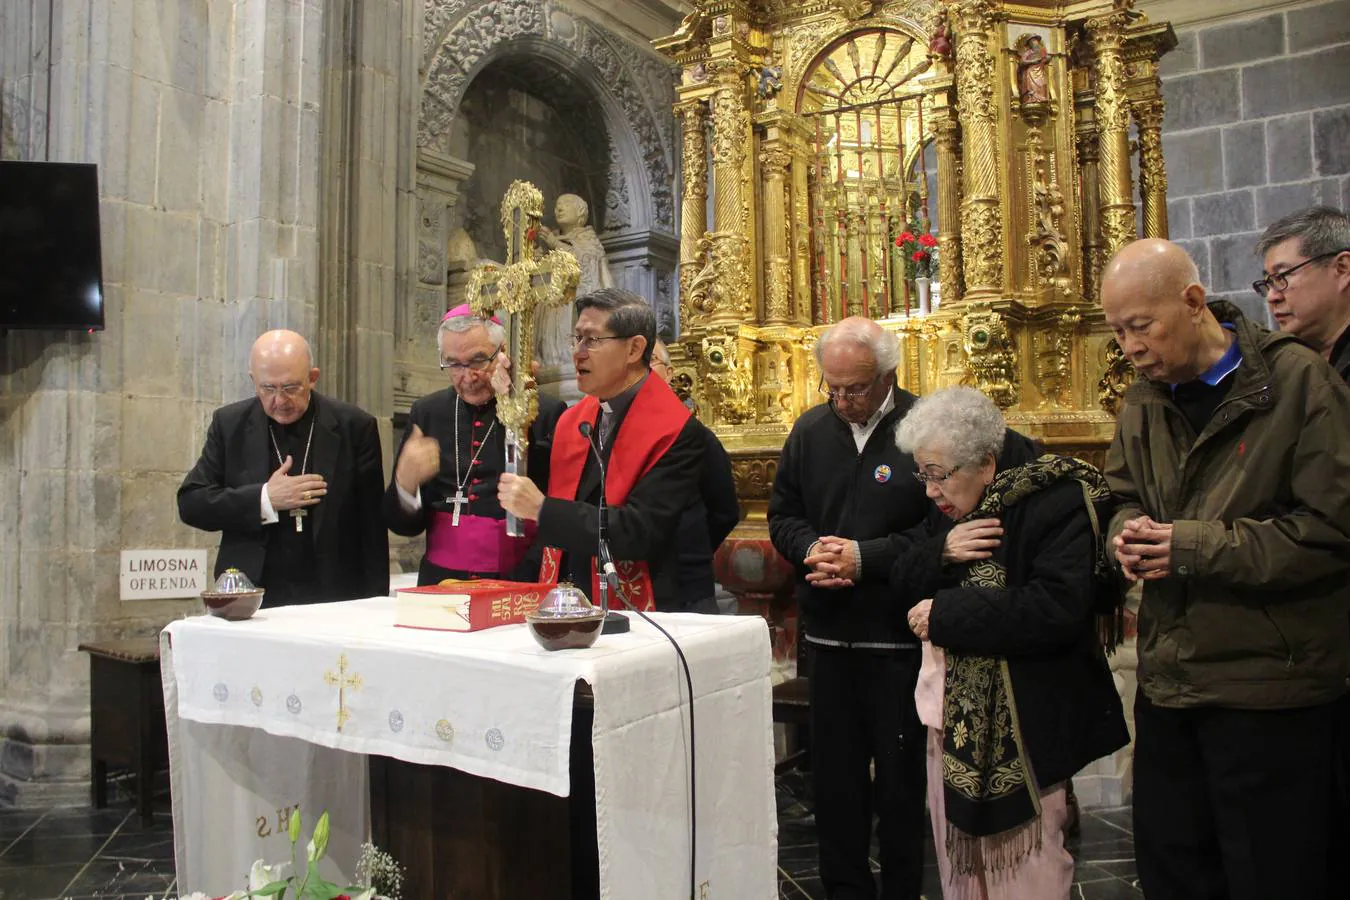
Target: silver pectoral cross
(298,515)
(458,501)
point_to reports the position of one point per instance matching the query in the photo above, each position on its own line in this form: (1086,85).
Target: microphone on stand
(615,623)
(609,581)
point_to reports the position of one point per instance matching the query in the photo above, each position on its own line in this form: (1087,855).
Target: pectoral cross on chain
(459,501)
(519,288)
(298,515)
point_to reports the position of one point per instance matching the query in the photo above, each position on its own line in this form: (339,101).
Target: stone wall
(204,117)
(1258,125)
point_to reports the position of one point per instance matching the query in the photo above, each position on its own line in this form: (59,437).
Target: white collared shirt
(862,432)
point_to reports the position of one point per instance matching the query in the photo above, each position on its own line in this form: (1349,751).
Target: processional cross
(519,289)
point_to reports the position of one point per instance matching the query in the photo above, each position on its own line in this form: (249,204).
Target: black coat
(705,523)
(223,492)
(1043,623)
(643,527)
(824,486)
(435,415)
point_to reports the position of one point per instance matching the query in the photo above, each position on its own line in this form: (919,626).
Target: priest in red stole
(652,451)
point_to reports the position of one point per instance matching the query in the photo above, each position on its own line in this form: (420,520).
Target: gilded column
(774,162)
(730,248)
(946,135)
(981,218)
(1113,124)
(1086,137)
(694,204)
(801,234)
(1148,117)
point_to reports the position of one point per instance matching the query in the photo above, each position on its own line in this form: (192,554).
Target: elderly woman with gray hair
(1015,691)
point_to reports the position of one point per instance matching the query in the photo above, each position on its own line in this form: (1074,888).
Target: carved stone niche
(439,180)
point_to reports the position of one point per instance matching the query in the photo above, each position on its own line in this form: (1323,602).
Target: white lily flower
(261,875)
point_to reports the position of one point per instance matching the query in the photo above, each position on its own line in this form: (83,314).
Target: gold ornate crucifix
(341,680)
(518,289)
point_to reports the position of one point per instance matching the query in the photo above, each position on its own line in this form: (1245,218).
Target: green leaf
(321,836)
(272,889)
(295,825)
(316,888)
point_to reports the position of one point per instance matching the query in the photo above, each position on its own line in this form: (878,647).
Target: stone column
(774,161)
(1113,137)
(946,133)
(981,217)
(694,204)
(730,248)
(1148,117)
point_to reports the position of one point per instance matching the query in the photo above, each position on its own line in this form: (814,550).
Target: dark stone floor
(86,853)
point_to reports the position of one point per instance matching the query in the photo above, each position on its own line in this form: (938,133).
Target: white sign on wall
(163,574)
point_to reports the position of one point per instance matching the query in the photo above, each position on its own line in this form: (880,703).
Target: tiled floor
(84,853)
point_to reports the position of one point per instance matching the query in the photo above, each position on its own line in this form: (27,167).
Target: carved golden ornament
(775,385)
(1048,242)
(754,477)
(695,159)
(990,355)
(975,76)
(729,294)
(731,129)
(1152,169)
(778,290)
(1115,380)
(854,9)
(1054,359)
(981,237)
(1118,228)
(697,300)
(729,380)
(775,162)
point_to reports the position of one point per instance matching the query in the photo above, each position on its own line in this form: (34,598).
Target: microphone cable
(615,587)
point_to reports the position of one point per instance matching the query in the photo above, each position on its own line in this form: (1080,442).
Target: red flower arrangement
(919,250)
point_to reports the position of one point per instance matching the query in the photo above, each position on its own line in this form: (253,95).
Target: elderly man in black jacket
(292,480)
(843,494)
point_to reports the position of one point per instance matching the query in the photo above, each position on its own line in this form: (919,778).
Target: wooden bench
(126,715)
(792,706)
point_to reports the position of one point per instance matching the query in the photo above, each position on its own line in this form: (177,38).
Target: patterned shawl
(992,803)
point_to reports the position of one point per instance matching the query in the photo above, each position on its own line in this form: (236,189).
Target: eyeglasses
(850,394)
(477,364)
(589,342)
(1280,280)
(936,477)
(289,391)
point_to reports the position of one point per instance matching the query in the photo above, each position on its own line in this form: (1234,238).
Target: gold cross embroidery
(341,680)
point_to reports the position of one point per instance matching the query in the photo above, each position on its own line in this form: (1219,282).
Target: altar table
(284,709)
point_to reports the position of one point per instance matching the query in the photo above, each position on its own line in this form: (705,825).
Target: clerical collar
(1227,364)
(471,408)
(300,426)
(618,404)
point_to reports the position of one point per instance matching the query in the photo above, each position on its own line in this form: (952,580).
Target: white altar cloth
(256,703)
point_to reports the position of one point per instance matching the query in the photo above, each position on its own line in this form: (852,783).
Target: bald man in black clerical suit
(292,480)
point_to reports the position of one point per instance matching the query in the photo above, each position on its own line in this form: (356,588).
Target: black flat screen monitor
(51,269)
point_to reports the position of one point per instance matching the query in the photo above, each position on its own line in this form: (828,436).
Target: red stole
(653,422)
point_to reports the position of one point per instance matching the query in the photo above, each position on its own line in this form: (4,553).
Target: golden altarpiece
(816,131)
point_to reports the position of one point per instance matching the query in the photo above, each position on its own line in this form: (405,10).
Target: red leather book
(467,605)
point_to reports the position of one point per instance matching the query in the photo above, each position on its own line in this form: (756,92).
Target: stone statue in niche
(1033,63)
(576,236)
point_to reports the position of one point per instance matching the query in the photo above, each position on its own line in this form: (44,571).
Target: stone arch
(627,84)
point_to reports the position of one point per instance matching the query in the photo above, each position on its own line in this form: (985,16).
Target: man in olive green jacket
(1231,468)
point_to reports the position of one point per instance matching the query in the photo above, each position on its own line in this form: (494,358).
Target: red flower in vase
(927,240)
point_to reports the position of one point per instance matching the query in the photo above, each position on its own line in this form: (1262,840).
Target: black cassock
(479,433)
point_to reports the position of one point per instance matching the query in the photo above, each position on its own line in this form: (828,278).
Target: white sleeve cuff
(269,515)
(411,503)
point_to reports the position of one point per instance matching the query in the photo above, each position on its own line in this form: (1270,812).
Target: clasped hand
(1144,550)
(285,491)
(832,562)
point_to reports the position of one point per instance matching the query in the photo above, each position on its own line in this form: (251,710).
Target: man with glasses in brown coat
(1305,280)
